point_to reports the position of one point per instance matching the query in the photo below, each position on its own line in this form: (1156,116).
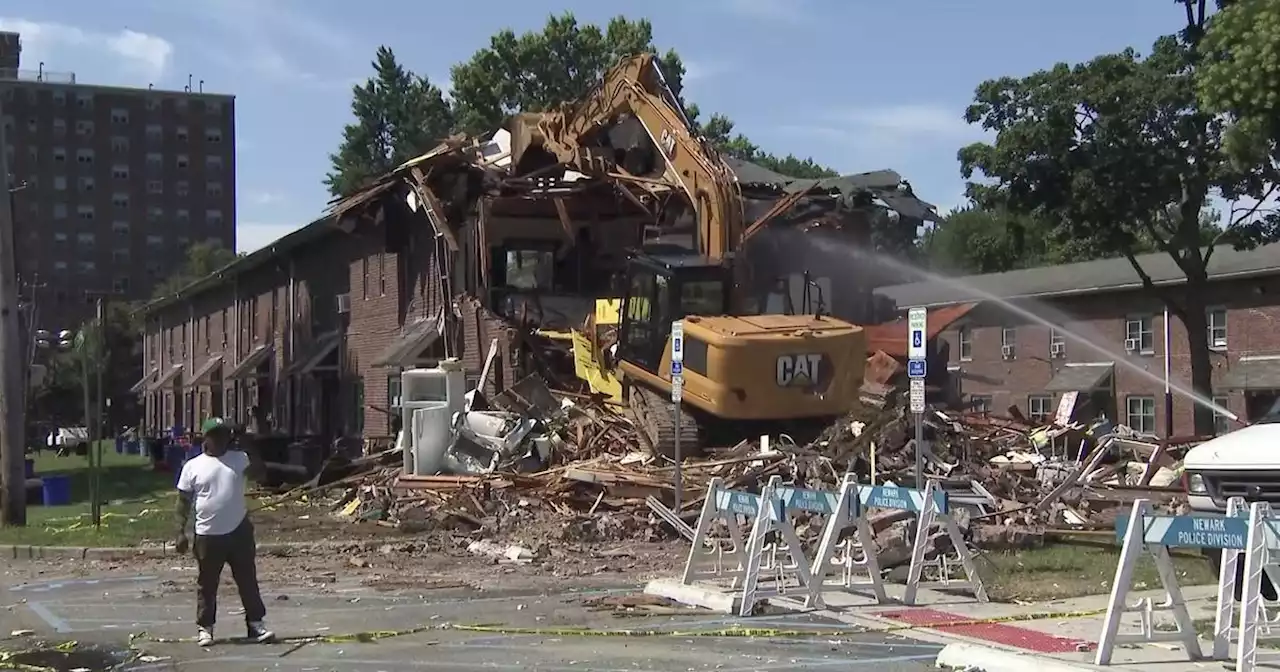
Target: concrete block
(697,595)
(978,658)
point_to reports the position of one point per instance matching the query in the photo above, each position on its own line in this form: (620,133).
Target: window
(59,265)
(120,144)
(85,212)
(529,269)
(86,184)
(120,227)
(154,215)
(84,156)
(1217,319)
(182,134)
(980,403)
(32,125)
(213,135)
(155,160)
(1057,344)
(120,285)
(183,216)
(59,97)
(182,188)
(213,189)
(155,187)
(382,274)
(213,107)
(59,128)
(1009,341)
(183,161)
(154,240)
(153,104)
(59,237)
(84,128)
(1139,336)
(155,132)
(1221,423)
(180,104)
(60,182)
(1040,408)
(59,154)
(393,400)
(213,162)
(357,410)
(120,255)
(213,217)
(59,210)
(120,200)
(86,266)
(119,116)
(1140,414)
(84,101)
(85,239)
(120,171)
(364,277)
(154,271)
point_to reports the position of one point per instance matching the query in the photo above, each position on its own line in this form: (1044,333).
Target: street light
(66,340)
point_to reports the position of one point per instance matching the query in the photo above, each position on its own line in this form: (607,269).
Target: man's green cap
(215,425)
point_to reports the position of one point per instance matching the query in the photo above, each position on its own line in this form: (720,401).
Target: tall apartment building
(112,184)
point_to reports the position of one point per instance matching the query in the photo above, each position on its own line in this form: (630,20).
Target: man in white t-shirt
(212,485)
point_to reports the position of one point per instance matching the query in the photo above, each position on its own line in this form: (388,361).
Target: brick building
(999,358)
(113,183)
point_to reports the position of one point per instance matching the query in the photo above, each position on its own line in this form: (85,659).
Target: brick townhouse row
(307,336)
(999,358)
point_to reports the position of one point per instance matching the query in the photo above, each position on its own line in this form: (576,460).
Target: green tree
(1241,76)
(1114,152)
(60,399)
(203,258)
(974,240)
(398,115)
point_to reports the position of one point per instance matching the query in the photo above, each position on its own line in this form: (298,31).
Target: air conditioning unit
(1006,351)
(1058,350)
(1130,344)
(344,303)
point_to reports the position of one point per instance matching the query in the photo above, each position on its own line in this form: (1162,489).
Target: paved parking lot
(106,610)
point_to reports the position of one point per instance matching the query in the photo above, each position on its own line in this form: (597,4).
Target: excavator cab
(659,290)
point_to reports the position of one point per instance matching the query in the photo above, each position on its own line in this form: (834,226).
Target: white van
(1244,463)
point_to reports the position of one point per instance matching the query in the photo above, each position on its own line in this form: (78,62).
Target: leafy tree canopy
(1113,152)
(1241,76)
(203,258)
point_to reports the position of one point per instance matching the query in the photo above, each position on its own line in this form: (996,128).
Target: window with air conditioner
(1217,323)
(1139,335)
(1057,344)
(1008,342)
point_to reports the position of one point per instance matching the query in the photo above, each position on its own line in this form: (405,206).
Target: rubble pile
(570,469)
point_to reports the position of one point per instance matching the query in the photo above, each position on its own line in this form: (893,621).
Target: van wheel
(1215,560)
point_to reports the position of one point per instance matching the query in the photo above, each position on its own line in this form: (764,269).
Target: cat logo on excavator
(799,370)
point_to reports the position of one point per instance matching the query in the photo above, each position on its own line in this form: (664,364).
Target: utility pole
(100,352)
(13,450)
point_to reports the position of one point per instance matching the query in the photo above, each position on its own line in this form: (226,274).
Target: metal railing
(38,76)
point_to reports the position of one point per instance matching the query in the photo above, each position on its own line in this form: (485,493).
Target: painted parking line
(51,619)
(49,586)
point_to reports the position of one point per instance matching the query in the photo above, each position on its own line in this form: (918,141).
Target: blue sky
(857,85)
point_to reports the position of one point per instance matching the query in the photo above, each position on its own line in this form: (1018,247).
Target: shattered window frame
(529,269)
(981,403)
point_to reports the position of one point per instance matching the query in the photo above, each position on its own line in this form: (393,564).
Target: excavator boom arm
(635,86)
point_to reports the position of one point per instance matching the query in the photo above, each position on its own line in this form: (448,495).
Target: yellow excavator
(739,369)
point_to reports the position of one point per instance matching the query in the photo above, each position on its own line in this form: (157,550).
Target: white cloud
(266,197)
(132,52)
(911,120)
(252,236)
(695,70)
(892,130)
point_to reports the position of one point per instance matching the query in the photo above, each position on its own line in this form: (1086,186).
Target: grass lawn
(138,504)
(1070,570)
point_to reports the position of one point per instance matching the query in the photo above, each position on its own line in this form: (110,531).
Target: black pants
(238,550)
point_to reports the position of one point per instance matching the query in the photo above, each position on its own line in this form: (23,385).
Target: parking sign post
(917,335)
(677,393)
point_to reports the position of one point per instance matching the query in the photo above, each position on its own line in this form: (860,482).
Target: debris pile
(540,467)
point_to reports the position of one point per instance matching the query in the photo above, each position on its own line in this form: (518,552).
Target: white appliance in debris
(429,399)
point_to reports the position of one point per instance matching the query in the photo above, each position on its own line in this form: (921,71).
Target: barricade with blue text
(1258,620)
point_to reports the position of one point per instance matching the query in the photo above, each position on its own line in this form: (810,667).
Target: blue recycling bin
(175,456)
(57,490)
(119,445)
(30,468)
(133,447)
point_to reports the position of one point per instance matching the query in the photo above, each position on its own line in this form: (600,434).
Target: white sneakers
(257,632)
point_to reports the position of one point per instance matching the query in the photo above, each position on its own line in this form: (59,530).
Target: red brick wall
(1253,318)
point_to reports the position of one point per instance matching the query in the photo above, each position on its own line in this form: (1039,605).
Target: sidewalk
(1053,636)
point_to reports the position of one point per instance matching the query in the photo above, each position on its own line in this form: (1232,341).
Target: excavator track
(657,418)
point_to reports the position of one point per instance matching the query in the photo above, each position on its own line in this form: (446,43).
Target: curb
(965,656)
(19,552)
